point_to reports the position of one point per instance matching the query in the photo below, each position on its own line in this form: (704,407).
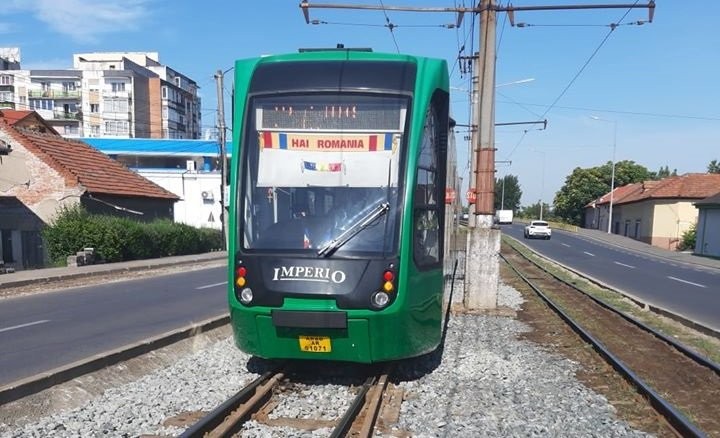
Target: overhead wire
(574,78)
(390,26)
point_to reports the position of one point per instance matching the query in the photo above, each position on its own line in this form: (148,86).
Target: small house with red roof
(656,212)
(42,172)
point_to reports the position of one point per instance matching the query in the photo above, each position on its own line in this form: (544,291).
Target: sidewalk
(632,244)
(30,276)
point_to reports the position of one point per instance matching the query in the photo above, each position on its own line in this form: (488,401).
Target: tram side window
(426,232)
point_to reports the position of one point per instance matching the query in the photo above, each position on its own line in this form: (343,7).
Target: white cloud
(86,20)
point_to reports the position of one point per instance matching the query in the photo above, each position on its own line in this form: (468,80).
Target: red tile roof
(688,186)
(81,164)
(619,194)
(14,116)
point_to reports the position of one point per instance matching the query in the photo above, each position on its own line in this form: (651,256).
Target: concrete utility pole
(223,155)
(482,272)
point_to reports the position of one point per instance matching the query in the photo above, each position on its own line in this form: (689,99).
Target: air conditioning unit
(190,165)
(207,195)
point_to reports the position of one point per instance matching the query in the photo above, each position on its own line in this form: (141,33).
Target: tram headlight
(246,295)
(380,299)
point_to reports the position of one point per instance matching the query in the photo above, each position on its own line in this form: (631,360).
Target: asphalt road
(42,331)
(690,291)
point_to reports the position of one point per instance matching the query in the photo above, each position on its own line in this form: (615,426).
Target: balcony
(54,94)
(7,96)
(59,114)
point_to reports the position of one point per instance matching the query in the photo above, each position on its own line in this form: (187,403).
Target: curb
(151,264)
(39,382)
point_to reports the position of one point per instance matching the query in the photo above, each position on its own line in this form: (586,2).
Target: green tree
(664,172)
(584,185)
(512,193)
(532,211)
(714,167)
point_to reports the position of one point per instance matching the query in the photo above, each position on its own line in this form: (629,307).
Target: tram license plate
(315,344)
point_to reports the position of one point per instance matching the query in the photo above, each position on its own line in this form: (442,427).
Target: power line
(390,26)
(577,75)
(631,113)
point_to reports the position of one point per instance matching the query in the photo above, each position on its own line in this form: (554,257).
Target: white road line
(623,264)
(207,286)
(7,329)
(589,253)
(565,244)
(688,282)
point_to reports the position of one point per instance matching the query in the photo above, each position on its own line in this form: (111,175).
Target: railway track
(681,385)
(376,403)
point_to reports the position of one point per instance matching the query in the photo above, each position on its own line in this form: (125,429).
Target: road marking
(565,244)
(623,264)
(688,282)
(7,329)
(589,253)
(207,286)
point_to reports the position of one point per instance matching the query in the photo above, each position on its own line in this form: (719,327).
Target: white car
(538,229)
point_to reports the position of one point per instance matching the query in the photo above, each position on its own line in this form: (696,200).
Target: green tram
(338,205)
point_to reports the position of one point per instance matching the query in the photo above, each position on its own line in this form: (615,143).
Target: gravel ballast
(484,382)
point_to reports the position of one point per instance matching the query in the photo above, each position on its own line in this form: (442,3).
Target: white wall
(192,208)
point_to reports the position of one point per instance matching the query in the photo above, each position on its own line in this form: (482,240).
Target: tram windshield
(317,164)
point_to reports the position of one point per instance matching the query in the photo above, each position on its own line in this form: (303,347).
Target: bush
(118,239)
(687,241)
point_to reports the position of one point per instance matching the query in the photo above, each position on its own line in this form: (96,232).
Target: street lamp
(542,181)
(612,178)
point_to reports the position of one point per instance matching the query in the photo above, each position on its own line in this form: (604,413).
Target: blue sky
(658,83)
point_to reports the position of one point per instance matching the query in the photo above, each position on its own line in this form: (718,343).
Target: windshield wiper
(353,230)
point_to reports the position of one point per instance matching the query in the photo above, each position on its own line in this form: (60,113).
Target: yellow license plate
(315,344)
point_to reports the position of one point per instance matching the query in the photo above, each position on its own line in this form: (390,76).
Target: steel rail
(676,419)
(351,414)
(215,418)
(678,346)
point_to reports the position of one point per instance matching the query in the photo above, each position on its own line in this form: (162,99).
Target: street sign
(471,196)
(450,195)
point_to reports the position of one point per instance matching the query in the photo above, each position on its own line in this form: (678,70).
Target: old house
(42,172)
(658,212)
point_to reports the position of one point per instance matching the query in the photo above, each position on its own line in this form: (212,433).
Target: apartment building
(106,94)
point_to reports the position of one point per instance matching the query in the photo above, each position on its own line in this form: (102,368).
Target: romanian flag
(274,140)
(385,142)
(322,167)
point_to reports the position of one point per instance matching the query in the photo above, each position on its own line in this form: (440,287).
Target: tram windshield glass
(317,165)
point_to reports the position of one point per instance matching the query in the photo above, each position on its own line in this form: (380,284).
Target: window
(115,105)
(6,80)
(95,129)
(427,203)
(177,81)
(94,108)
(68,86)
(164,92)
(116,127)
(45,86)
(117,86)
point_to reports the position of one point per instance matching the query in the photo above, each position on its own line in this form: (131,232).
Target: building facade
(42,173)
(111,94)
